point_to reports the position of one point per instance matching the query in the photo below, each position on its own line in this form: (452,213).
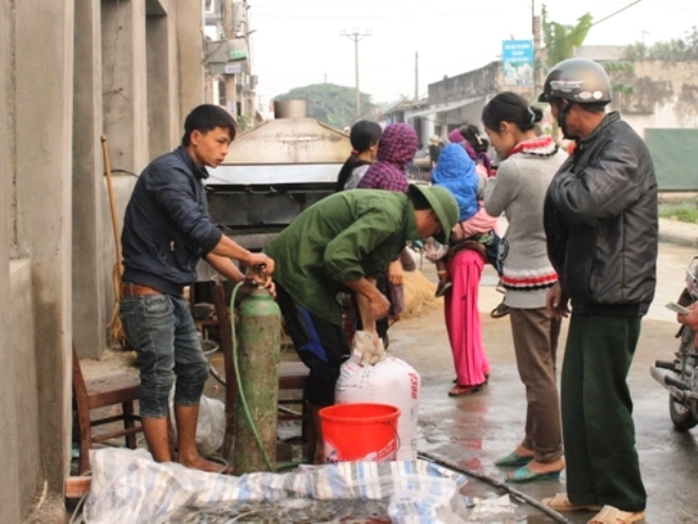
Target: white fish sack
(391,380)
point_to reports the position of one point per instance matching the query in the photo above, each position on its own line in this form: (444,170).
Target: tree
(562,41)
(332,104)
(677,49)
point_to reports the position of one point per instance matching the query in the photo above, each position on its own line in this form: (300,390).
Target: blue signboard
(517,62)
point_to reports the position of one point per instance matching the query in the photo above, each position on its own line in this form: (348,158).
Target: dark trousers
(320,345)
(597,425)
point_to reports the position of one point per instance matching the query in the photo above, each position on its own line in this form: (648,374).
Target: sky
(298,42)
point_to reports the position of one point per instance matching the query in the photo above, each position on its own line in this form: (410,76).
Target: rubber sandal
(611,515)
(459,391)
(513,460)
(560,502)
(442,287)
(526,475)
(502,310)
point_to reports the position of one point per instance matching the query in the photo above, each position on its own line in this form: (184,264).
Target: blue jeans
(161,330)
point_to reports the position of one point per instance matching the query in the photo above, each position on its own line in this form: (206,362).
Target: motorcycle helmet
(578,80)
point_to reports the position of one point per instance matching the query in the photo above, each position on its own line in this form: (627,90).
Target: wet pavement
(472,432)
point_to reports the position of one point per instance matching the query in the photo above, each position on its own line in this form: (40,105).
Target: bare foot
(202,464)
(546,467)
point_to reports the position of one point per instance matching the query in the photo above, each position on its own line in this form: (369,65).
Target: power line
(371,3)
(374,17)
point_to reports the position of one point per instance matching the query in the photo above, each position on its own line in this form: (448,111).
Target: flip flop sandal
(526,475)
(560,502)
(513,460)
(502,310)
(442,288)
(611,515)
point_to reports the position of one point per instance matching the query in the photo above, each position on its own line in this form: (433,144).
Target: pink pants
(463,318)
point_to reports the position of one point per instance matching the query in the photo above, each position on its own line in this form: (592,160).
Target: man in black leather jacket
(601,226)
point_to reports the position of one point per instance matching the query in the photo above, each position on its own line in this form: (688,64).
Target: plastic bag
(210,426)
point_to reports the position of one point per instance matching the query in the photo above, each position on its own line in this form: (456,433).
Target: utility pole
(535,27)
(356,36)
(416,76)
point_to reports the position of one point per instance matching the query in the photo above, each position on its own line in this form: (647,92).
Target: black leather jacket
(601,222)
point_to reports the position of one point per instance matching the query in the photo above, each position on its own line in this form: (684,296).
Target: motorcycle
(680,377)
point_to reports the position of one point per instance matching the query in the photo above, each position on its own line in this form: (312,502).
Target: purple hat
(455,137)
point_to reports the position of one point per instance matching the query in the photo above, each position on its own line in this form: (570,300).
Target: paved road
(472,432)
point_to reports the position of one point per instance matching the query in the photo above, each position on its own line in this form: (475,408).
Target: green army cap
(444,205)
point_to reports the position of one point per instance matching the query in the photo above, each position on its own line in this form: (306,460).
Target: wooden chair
(292,376)
(98,393)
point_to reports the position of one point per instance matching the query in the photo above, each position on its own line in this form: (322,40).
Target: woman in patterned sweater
(518,190)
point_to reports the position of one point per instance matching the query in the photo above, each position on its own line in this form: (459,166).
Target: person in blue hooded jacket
(456,172)
(459,272)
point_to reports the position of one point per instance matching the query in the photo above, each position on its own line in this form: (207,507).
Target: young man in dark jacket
(167,229)
(601,227)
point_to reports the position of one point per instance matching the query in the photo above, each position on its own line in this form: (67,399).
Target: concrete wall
(71,70)
(25,352)
(90,268)
(190,49)
(476,83)
(665,95)
(163,103)
(125,83)
(44,122)
(10,491)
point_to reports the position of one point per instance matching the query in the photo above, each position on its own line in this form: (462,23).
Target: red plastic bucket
(360,432)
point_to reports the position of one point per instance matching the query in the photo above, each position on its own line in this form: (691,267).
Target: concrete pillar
(163,103)
(125,83)
(9,487)
(190,53)
(44,124)
(91,299)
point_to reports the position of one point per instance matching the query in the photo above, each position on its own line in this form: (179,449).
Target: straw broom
(115,329)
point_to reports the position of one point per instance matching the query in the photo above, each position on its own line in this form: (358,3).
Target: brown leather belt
(134,290)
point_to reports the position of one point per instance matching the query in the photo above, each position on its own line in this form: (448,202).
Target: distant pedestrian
(528,165)
(364,136)
(435,148)
(396,149)
(460,270)
(601,226)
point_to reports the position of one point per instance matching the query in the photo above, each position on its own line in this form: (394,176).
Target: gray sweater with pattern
(519,191)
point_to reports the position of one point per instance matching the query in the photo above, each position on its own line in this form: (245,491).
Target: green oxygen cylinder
(258,355)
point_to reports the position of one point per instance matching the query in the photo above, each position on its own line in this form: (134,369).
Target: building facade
(72,71)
